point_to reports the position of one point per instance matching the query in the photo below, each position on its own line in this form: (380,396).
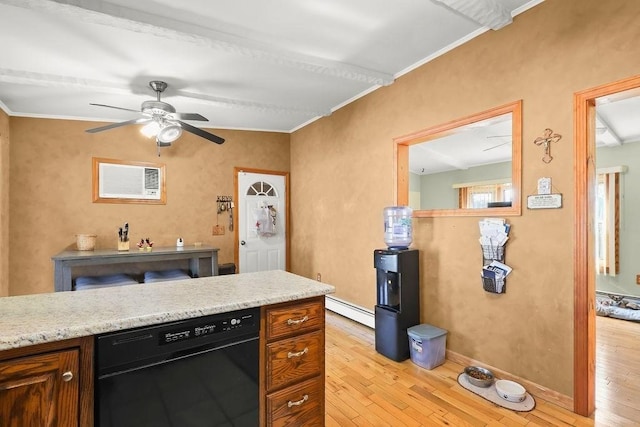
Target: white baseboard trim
(350,311)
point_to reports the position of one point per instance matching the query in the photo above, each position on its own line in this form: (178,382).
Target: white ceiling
(481,143)
(617,119)
(243,64)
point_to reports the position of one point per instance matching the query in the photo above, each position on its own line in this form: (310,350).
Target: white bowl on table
(511,391)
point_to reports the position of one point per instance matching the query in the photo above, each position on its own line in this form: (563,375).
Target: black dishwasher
(195,372)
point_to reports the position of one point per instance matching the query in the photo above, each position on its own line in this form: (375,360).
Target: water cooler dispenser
(398,300)
(398,285)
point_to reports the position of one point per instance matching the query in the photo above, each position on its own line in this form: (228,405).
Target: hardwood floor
(364,388)
(618,371)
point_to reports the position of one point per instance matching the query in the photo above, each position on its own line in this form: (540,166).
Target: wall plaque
(544,201)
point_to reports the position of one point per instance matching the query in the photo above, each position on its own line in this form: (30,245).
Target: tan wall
(343,177)
(51,198)
(4,203)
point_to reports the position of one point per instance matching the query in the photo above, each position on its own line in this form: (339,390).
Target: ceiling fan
(161,120)
(498,145)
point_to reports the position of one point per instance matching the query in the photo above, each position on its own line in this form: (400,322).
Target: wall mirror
(466,167)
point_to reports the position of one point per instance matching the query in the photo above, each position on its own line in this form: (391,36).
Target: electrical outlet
(218,230)
(319,277)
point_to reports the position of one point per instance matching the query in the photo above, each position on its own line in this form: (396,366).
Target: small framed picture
(544,186)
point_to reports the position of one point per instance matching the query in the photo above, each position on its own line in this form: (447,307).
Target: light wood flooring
(364,388)
(617,371)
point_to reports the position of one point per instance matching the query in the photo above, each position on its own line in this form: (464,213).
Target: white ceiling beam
(20,77)
(102,13)
(488,13)
(444,158)
(605,133)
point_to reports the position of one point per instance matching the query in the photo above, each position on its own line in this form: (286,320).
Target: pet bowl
(478,376)
(511,391)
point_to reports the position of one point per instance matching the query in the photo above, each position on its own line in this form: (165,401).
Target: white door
(262,220)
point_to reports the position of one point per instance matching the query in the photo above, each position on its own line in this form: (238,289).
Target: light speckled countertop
(34,319)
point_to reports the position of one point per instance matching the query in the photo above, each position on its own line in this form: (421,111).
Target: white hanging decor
(265,221)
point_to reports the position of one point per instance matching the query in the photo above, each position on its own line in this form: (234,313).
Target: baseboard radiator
(350,311)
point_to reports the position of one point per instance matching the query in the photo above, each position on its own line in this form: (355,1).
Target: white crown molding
(488,13)
(123,18)
(6,109)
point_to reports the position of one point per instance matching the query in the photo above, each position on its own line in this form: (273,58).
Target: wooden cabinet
(292,360)
(47,385)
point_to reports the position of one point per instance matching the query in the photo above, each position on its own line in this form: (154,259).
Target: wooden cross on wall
(546,141)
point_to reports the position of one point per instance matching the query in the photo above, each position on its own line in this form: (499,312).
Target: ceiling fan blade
(190,116)
(496,146)
(117,108)
(116,125)
(201,133)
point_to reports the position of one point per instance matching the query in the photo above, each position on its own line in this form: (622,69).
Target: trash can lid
(425,332)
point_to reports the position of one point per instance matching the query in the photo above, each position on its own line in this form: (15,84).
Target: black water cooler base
(391,335)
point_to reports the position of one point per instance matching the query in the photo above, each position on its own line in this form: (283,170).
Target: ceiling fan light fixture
(157,108)
(169,133)
(150,129)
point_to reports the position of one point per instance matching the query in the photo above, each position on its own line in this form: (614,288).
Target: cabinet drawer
(302,404)
(303,317)
(295,358)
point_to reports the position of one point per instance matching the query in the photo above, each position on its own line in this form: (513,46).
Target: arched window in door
(261,188)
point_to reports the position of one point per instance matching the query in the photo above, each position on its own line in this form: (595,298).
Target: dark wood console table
(66,261)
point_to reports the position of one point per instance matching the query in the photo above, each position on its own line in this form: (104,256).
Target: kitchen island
(63,324)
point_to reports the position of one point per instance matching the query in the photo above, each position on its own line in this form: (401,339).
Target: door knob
(242,242)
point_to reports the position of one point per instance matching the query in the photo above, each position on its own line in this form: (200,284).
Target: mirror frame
(401,160)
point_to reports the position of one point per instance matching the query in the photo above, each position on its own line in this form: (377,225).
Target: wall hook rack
(225,203)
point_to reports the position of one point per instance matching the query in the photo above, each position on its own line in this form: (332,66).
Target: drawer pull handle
(298,354)
(299,402)
(67,376)
(297,322)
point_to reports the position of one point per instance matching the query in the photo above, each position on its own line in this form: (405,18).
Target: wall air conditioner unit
(128,182)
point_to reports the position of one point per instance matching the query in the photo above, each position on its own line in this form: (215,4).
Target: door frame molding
(584,318)
(287,240)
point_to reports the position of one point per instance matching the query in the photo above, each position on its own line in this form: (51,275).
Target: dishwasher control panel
(122,350)
(207,326)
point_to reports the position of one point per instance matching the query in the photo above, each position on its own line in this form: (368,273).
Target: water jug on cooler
(398,227)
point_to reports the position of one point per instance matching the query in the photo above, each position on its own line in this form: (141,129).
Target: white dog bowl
(511,391)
